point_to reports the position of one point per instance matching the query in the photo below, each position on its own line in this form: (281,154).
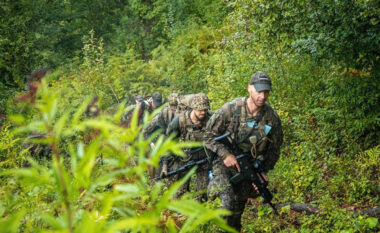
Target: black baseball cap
(157,99)
(261,81)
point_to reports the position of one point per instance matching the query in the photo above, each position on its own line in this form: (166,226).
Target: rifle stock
(185,167)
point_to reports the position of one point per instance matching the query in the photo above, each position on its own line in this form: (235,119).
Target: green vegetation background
(323,57)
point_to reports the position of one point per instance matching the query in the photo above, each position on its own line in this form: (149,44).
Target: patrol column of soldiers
(254,128)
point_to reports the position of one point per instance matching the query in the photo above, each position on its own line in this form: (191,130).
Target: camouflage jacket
(160,121)
(186,130)
(234,117)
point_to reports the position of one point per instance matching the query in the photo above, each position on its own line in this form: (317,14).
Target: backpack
(184,102)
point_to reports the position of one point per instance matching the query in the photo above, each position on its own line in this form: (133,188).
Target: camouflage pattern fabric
(200,102)
(227,119)
(173,99)
(160,121)
(186,130)
(144,107)
(232,197)
(224,121)
(184,102)
(201,179)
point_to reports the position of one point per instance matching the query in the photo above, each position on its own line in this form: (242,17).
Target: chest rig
(249,132)
(192,132)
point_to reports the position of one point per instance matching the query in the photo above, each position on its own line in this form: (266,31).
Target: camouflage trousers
(232,197)
(201,180)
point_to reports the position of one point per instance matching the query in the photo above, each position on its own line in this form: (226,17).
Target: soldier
(155,101)
(190,126)
(248,119)
(164,117)
(161,122)
(144,106)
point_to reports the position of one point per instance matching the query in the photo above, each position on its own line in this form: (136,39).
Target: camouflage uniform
(161,122)
(127,116)
(145,106)
(164,117)
(186,130)
(234,117)
(184,102)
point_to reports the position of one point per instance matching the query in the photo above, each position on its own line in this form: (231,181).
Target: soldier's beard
(257,103)
(199,118)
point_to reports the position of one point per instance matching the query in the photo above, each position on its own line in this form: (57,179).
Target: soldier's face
(201,114)
(258,97)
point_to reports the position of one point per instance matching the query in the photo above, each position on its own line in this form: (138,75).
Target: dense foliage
(323,57)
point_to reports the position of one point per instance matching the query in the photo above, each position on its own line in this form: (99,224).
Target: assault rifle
(250,170)
(192,163)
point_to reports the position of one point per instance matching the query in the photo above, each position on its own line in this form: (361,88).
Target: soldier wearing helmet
(190,126)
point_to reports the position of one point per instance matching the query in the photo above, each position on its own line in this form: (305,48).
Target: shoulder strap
(182,124)
(262,120)
(237,115)
(168,118)
(237,122)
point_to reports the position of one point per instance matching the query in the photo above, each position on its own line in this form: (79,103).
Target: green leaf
(80,111)
(372,222)
(58,127)
(133,224)
(19,119)
(11,224)
(55,223)
(127,188)
(165,199)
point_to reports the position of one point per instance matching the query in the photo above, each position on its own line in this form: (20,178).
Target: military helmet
(173,99)
(200,102)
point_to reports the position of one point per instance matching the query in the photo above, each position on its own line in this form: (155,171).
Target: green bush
(101,186)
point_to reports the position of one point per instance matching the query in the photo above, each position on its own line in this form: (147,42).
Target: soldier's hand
(164,171)
(230,161)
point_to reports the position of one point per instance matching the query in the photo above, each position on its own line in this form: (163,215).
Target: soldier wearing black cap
(255,128)
(156,100)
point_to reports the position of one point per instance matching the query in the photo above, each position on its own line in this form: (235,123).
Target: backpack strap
(236,118)
(182,124)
